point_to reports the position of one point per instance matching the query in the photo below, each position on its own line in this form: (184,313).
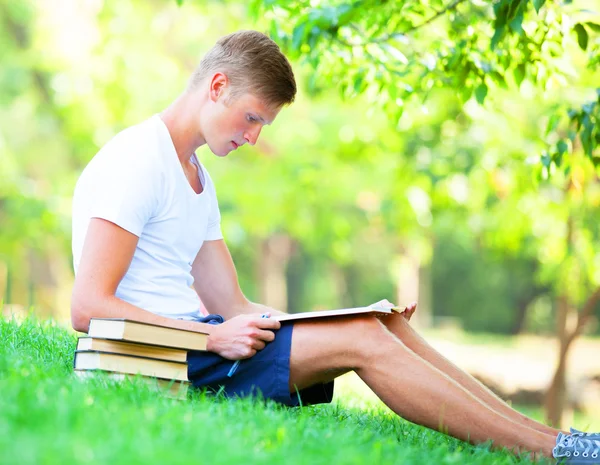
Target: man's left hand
(407,313)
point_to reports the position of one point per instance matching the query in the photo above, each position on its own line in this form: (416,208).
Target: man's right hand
(242,336)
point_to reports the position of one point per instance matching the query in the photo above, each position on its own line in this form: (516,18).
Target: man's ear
(218,85)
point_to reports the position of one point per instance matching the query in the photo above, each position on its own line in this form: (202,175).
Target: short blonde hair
(254,64)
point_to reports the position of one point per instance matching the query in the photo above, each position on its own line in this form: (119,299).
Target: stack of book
(126,348)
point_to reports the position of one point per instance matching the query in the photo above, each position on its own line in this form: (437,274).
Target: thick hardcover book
(174,389)
(132,348)
(145,333)
(340,312)
(130,364)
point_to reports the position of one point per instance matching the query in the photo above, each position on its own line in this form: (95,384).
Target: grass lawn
(48,416)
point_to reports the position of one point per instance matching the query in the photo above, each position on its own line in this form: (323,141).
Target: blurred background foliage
(438,151)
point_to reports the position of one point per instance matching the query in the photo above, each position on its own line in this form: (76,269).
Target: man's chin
(220,153)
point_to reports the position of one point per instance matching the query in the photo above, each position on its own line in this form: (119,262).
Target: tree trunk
(275,253)
(424,313)
(520,317)
(352,296)
(523,304)
(556,394)
(296,276)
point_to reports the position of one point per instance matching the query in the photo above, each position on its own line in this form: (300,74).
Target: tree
(394,52)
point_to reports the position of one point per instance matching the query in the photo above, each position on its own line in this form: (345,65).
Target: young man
(147,244)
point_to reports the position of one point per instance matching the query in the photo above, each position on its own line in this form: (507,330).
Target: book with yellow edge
(145,333)
(174,389)
(131,348)
(130,364)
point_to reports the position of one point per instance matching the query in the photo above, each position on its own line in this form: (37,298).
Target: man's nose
(252,135)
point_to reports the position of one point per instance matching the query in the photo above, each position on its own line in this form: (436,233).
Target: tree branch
(585,315)
(22,39)
(450,7)
(387,37)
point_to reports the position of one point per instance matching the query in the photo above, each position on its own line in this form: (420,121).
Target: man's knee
(369,338)
(354,338)
(362,328)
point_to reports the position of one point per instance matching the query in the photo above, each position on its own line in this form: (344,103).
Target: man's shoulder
(132,153)
(141,135)
(136,147)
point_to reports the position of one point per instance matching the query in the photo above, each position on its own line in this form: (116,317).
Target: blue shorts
(265,374)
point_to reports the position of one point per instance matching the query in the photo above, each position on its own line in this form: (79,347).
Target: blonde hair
(254,64)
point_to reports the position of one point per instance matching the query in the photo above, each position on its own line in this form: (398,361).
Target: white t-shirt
(137,182)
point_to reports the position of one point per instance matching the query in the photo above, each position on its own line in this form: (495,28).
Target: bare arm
(106,256)
(216,282)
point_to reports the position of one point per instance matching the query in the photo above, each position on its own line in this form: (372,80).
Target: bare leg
(409,385)
(402,329)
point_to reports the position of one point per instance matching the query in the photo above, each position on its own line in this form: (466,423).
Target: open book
(372,309)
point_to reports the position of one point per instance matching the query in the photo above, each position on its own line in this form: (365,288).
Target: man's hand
(242,336)
(408,313)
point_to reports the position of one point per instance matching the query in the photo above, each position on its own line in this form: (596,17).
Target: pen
(235,366)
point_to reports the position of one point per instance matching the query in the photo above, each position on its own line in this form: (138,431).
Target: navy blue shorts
(265,374)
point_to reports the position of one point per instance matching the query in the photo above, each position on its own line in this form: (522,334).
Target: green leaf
(516,23)
(345,14)
(586,136)
(359,81)
(557,159)
(546,160)
(588,108)
(519,74)
(499,79)
(562,147)
(582,36)
(481,93)
(552,123)
(298,36)
(593,26)
(179,2)
(538,4)
(513,9)
(498,35)
(465,92)
(274,31)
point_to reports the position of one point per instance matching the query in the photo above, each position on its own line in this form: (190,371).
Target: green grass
(48,416)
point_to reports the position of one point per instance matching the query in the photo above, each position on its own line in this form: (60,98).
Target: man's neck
(181,119)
